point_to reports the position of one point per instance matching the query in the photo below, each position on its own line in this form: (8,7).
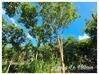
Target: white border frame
(49,1)
(0,37)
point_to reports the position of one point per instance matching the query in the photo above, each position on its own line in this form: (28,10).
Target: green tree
(88,47)
(71,51)
(91,30)
(28,15)
(15,37)
(58,16)
(10,7)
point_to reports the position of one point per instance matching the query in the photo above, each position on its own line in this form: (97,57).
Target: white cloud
(85,36)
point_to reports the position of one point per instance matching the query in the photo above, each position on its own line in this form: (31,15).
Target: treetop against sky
(76,28)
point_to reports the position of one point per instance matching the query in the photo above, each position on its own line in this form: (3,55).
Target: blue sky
(75,29)
(85,9)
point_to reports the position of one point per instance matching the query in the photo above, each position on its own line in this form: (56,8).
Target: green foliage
(28,14)
(46,56)
(91,28)
(10,7)
(71,56)
(13,35)
(58,15)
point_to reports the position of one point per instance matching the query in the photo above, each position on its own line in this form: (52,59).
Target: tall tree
(15,37)
(91,30)
(71,53)
(58,16)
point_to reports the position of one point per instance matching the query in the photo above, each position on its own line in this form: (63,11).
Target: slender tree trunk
(11,62)
(9,66)
(36,55)
(61,54)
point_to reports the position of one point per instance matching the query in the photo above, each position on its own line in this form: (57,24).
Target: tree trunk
(9,66)
(60,43)
(36,55)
